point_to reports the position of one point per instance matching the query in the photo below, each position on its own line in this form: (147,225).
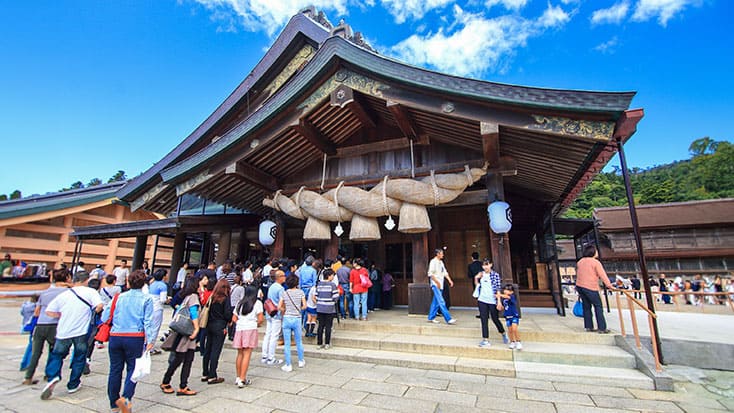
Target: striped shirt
(326,295)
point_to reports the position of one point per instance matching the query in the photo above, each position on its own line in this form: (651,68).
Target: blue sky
(91,87)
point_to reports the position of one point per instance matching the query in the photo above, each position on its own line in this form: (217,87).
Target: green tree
(3,197)
(703,146)
(94,182)
(16,194)
(77,185)
(119,176)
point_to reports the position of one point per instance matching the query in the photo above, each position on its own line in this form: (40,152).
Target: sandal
(166,388)
(185,392)
(124,405)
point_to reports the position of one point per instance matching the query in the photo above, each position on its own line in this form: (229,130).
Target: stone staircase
(572,357)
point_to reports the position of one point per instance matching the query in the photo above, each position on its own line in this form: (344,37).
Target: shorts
(245,339)
(311,311)
(512,320)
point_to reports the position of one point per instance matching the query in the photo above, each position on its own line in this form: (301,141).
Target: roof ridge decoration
(317,15)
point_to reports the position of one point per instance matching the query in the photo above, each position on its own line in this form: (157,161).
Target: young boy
(512,315)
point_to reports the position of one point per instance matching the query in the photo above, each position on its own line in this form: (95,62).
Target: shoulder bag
(270,307)
(182,323)
(204,315)
(103,331)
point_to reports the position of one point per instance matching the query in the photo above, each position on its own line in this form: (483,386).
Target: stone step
(587,375)
(543,352)
(468,331)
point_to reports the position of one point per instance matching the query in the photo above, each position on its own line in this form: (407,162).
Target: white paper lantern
(500,217)
(267,232)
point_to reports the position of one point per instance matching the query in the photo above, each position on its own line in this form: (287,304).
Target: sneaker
(484,344)
(518,345)
(49,388)
(75,389)
(264,360)
(29,382)
(434,321)
(452,321)
(505,339)
(86,370)
(274,362)
(239,383)
(326,347)
(512,345)
(301,364)
(607,331)
(320,347)
(287,368)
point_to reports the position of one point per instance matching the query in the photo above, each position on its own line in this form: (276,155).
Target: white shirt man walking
(436,275)
(74,309)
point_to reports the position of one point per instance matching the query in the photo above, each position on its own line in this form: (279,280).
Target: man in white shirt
(121,274)
(436,275)
(74,309)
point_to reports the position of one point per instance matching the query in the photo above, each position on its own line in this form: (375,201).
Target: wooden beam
(403,119)
(344,96)
(627,123)
(312,134)
(252,176)
(148,196)
(194,182)
(387,145)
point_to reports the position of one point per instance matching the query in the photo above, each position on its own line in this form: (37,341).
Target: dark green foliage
(94,182)
(119,176)
(708,175)
(15,194)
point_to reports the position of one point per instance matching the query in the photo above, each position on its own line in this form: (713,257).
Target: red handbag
(103,331)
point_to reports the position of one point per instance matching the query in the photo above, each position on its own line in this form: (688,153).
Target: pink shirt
(588,271)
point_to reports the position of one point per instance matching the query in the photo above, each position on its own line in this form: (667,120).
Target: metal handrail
(631,301)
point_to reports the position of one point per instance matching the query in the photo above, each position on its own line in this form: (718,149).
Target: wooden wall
(47,241)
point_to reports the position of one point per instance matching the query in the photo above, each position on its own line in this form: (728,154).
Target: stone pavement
(344,386)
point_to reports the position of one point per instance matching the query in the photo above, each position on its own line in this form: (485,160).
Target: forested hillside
(709,174)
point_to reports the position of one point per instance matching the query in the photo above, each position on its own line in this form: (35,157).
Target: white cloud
(473,44)
(608,47)
(614,14)
(553,16)
(414,9)
(508,4)
(264,15)
(663,10)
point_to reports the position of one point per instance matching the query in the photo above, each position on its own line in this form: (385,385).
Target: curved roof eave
(299,24)
(337,48)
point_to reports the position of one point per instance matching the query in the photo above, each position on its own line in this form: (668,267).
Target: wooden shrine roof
(691,214)
(559,139)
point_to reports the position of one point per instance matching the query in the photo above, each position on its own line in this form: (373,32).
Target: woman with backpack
(359,285)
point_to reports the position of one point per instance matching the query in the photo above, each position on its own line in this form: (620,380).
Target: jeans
(325,322)
(177,359)
(123,352)
(373,297)
(27,355)
(591,298)
(42,334)
(272,331)
(202,340)
(292,324)
(344,301)
(360,303)
(78,359)
(214,343)
(436,304)
(485,312)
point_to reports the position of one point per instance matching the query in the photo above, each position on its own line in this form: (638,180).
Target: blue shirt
(133,314)
(155,290)
(490,285)
(274,293)
(510,307)
(307,277)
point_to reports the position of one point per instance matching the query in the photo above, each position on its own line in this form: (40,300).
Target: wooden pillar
(419,292)
(225,241)
(206,243)
(177,257)
(500,243)
(243,248)
(279,245)
(141,244)
(332,247)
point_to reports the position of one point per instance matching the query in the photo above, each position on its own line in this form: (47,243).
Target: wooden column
(332,247)
(141,244)
(496,192)
(177,257)
(419,292)
(279,245)
(225,241)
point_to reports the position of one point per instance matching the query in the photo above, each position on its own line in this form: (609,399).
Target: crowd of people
(123,310)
